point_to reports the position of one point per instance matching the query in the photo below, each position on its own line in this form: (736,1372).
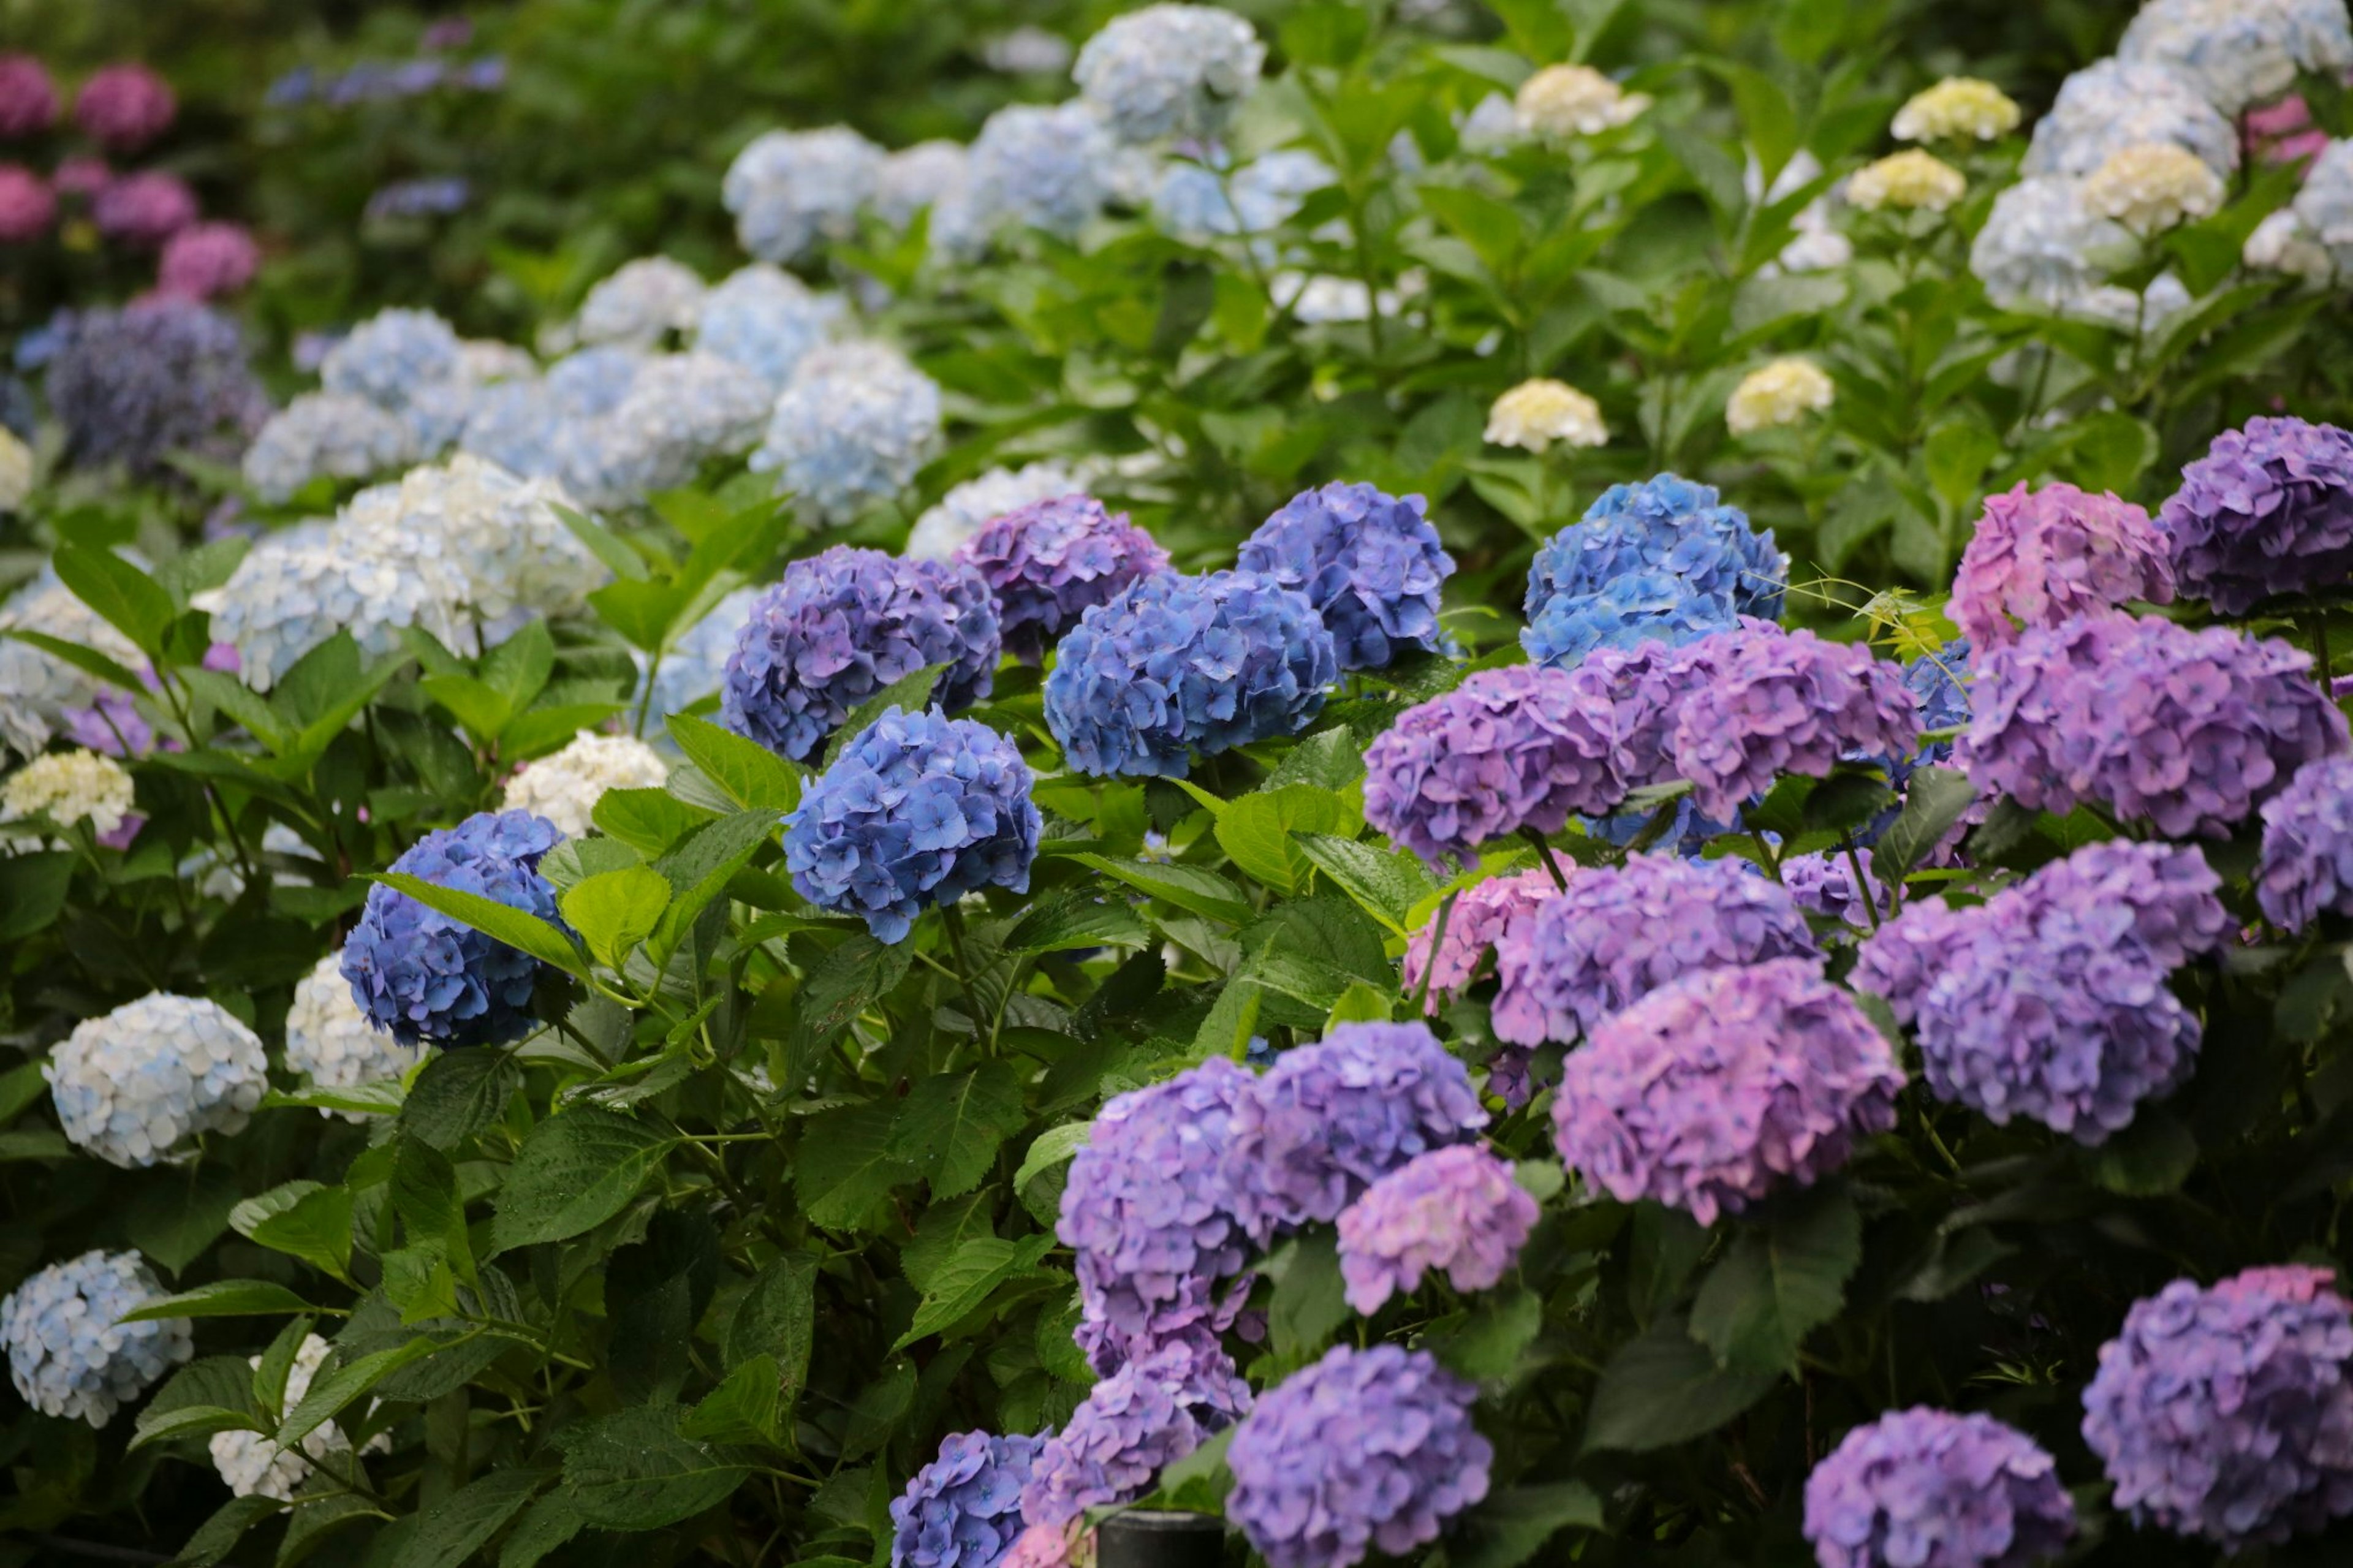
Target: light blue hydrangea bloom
(138,1085)
(640,304)
(335,434)
(388,356)
(1036,167)
(789,189)
(850,429)
(765,318)
(69,1354)
(1169,70)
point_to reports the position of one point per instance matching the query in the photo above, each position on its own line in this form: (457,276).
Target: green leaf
(519,929)
(742,1409)
(1510,1527)
(2149,1159)
(316,1229)
(777,1320)
(128,599)
(910,693)
(1492,1341)
(1188,887)
(1256,831)
(752,776)
(477,705)
(1933,802)
(20,1087)
(617,558)
(1331,760)
(574,1172)
(846,1165)
(218,1536)
(329,1395)
(615,911)
(518,668)
(1078,922)
(1779,1281)
(1309,1297)
(1384,884)
(633,1470)
(316,1517)
(649,821)
(223,1299)
(951,1125)
(1665,1388)
(1201,1480)
(248,707)
(172,1221)
(454,1529)
(849,980)
(458,1094)
(33,886)
(700,869)
(546,1525)
(966,1282)
(87,659)
(194,571)
(1050,1152)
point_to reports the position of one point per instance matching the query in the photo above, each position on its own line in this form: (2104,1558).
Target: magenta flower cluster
(2307,868)
(1370,563)
(206,260)
(27,205)
(1785,702)
(29,99)
(1142,1419)
(2225,1411)
(1364,1450)
(2040,556)
(1456,1210)
(124,107)
(2267,510)
(1930,1489)
(1481,914)
(2190,731)
(1722,1087)
(1051,561)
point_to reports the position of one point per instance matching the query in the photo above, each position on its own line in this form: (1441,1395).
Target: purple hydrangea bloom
(1329,1119)
(963,1508)
(1178,664)
(1455,1211)
(2188,730)
(1482,914)
(1663,560)
(136,385)
(1147,1416)
(1717,1089)
(2268,510)
(2049,1000)
(1823,884)
(29,100)
(1929,1489)
(124,107)
(1369,563)
(2041,556)
(1525,746)
(917,809)
(1147,1211)
(2225,1412)
(1619,933)
(1366,1449)
(2306,870)
(113,725)
(145,208)
(841,626)
(1051,561)
(1785,702)
(426,978)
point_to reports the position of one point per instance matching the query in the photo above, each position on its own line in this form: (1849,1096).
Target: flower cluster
(206,260)
(29,99)
(1180,663)
(143,210)
(679,410)
(971,506)
(37,687)
(1456,1210)
(69,1354)
(2152,187)
(2240,54)
(2043,249)
(390,356)
(789,189)
(69,787)
(963,1508)
(2306,870)
(1031,167)
(916,809)
(565,787)
(27,205)
(1535,413)
(141,1084)
(2268,510)
(1478,917)
(917,178)
(503,537)
(842,626)
(2112,104)
(296,589)
(1049,561)
(1958,109)
(1169,70)
(1369,563)
(1662,560)
(1777,394)
(849,430)
(1365,1449)
(765,319)
(252,1463)
(1717,1089)
(2039,557)
(124,107)
(1147,1416)
(2188,730)
(427,978)
(2225,1411)
(137,384)
(1195,201)
(328,432)
(1560,102)
(1824,884)
(640,303)
(1929,1489)
(1787,702)
(331,1041)
(1911,181)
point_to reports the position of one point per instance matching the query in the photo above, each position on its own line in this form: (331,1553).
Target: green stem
(2320,645)
(1429,960)
(1862,882)
(952,921)
(1544,852)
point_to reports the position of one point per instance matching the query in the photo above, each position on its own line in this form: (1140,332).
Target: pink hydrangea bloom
(2040,556)
(206,260)
(125,107)
(27,205)
(29,100)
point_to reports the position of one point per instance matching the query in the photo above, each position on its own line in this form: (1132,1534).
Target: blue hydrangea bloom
(593,381)
(1180,663)
(1369,563)
(842,626)
(1038,167)
(427,978)
(919,809)
(387,357)
(963,1508)
(1938,683)
(1662,560)
(789,189)
(850,429)
(514,423)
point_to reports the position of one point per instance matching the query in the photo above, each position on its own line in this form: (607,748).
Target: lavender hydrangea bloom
(1619,933)
(842,626)
(1929,1489)
(144,209)
(1180,663)
(2041,556)
(1481,915)
(390,355)
(1787,702)
(1823,884)
(1456,1210)
(2268,510)
(1525,746)
(1369,563)
(67,1353)
(1143,1417)
(1366,1449)
(136,385)
(2225,1412)
(1663,560)
(2306,870)
(1329,1119)
(425,977)
(1147,1210)
(917,809)
(1717,1089)
(2188,730)
(1051,561)
(963,1508)
(2049,1000)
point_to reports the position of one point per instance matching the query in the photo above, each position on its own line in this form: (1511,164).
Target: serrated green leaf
(1256,831)
(616,557)
(1310,1296)
(1510,1527)
(1934,800)
(223,1299)
(451,1530)
(1050,1152)
(331,1395)
(458,1094)
(1187,886)
(1781,1278)
(1384,884)
(966,1282)
(1496,1335)
(846,1165)
(1076,922)
(1665,1388)
(128,599)
(754,777)
(519,929)
(615,911)
(316,1228)
(951,1125)
(2153,1156)
(545,1525)
(33,887)
(574,1172)
(632,1471)
(218,1536)
(742,1409)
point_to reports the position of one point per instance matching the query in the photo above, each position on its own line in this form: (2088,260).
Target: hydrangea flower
(1196,203)
(2049,1001)
(124,107)
(1365,1449)
(1958,109)
(1457,1211)
(1565,102)
(2268,510)
(1660,560)
(1031,167)
(2153,187)
(2241,52)
(2224,1411)
(2188,730)
(1938,682)
(136,385)
(1787,702)
(2041,249)
(1169,70)
(29,99)
(1778,393)
(1330,1119)
(1133,1423)
(2112,104)
(565,787)
(1722,1087)
(2314,236)
(1481,914)
(427,978)
(390,355)
(69,1356)
(329,433)
(971,506)
(1180,663)
(206,260)
(138,1085)
(296,589)
(329,1040)
(145,208)
(1049,561)
(1535,414)
(850,429)
(917,809)
(917,178)
(1369,563)
(963,1508)
(1823,884)
(2306,869)
(69,787)
(680,411)
(640,304)
(253,1465)
(2038,557)
(593,381)
(789,189)
(502,537)
(1929,1489)
(37,687)
(1910,181)
(765,319)
(27,205)
(840,627)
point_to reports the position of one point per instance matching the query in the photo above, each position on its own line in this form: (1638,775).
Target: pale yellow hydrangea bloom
(2152,186)
(1561,101)
(1958,109)
(16,470)
(1535,413)
(71,787)
(1778,393)
(1913,182)
(565,786)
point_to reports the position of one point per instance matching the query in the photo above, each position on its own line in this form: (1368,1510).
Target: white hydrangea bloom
(1320,299)
(1780,393)
(1193,203)
(69,1352)
(1032,167)
(2153,187)
(485,360)
(1816,244)
(16,470)
(2122,310)
(1169,70)
(2042,245)
(2323,215)
(35,686)
(337,434)
(969,507)
(789,189)
(137,1086)
(682,411)
(850,429)
(218,878)
(1537,412)
(69,787)
(2241,52)
(1027,50)
(920,176)
(1958,109)
(1569,101)
(500,535)
(1910,181)
(565,787)
(2282,243)
(2112,104)
(254,1466)
(296,589)
(331,1041)
(693,665)
(641,303)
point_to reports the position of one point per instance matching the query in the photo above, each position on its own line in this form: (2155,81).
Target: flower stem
(1429,960)
(1544,852)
